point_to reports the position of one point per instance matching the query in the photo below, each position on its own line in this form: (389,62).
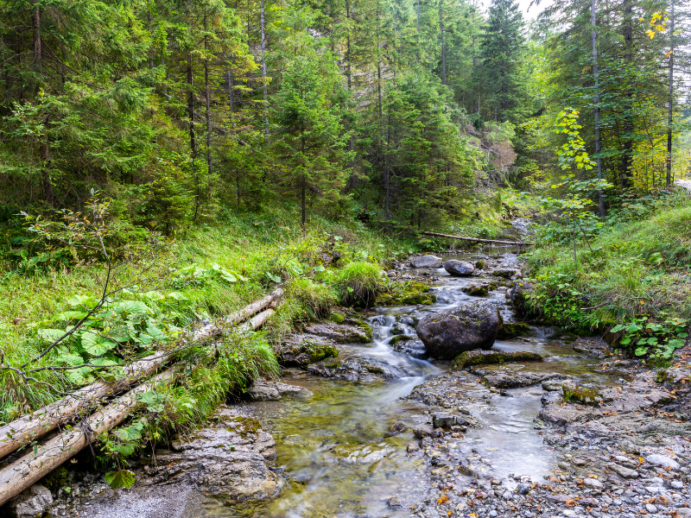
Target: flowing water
(332,446)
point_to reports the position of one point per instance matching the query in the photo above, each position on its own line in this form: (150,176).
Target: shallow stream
(332,446)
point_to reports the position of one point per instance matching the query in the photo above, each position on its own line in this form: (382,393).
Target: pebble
(593,482)
(662,461)
(650,508)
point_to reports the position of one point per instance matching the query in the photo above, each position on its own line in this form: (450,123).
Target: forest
(267,166)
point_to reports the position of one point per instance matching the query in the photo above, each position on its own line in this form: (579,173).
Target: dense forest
(404,113)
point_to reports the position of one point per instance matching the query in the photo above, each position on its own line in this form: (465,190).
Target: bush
(316,299)
(358,283)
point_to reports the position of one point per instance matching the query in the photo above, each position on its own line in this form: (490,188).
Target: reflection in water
(333,448)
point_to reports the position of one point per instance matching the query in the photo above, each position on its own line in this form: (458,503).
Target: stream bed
(333,447)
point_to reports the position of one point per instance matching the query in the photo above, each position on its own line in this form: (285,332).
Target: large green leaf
(122,478)
(97,345)
(50,335)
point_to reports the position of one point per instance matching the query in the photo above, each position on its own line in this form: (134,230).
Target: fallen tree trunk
(35,465)
(26,429)
(478,240)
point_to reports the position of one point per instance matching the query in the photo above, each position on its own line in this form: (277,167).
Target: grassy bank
(632,279)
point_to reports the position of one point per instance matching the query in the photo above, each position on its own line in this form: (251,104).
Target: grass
(639,266)
(215,269)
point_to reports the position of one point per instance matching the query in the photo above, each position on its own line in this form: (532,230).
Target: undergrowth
(633,274)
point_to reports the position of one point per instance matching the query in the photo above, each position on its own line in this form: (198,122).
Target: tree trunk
(593,23)
(231,106)
(266,105)
(443,50)
(627,157)
(36,27)
(190,106)
(24,430)
(670,119)
(208,107)
(303,189)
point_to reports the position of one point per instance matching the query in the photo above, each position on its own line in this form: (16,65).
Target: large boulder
(449,333)
(459,268)
(31,503)
(426,261)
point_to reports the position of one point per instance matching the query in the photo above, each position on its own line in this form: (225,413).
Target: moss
(399,338)
(366,327)
(470,358)
(476,290)
(406,293)
(321,352)
(578,394)
(333,365)
(480,265)
(513,330)
(337,318)
(249,426)
(374,369)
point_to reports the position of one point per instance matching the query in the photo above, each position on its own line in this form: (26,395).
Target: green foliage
(657,340)
(405,293)
(358,283)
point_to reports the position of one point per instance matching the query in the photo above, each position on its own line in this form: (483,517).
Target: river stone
(662,461)
(513,379)
(263,390)
(464,328)
(459,268)
(340,333)
(622,471)
(227,458)
(423,430)
(426,261)
(396,429)
(31,502)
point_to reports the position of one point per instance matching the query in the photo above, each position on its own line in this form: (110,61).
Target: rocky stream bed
(382,431)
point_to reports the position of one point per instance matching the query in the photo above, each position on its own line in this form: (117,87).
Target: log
(34,465)
(28,428)
(478,240)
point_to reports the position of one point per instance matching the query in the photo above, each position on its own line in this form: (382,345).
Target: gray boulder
(31,503)
(426,261)
(449,333)
(459,268)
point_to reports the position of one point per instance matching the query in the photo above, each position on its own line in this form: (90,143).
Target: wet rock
(523,489)
(519,297)
(263,390)
(394,502)
(355,369)
(396,429)
(227,458)
(31,502)
(302,349)
(476,290)
(426,261)
(459,268)
(412,447)
(471,358)
(341,333)
(464,328)
(423,430)
(662,461)
(514,379)
(593,482)
(512,330)
(506,273)
(443,420)
(561,415)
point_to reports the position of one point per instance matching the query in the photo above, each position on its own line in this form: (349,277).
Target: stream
(333,449)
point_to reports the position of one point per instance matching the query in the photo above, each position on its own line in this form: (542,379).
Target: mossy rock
(337,317)
(480,265)
(578,394)
(400,338)
(332,365)
(513,330)
(407,293)
(365,326)
(476,290)
(321,352)
(374,369)
(470,358)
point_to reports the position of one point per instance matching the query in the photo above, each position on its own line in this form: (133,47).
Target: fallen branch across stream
(26,429)
(477,239)
(36,464)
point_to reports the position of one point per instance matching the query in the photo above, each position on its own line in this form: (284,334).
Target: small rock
(396,429)
(662,461)
(426,261)
(394,502)
(622,471)
(650,508)
(412,447)
(593,482)
(523,489)
(32,502)
(579,462)
(423,430)
(441,420)
(459,268)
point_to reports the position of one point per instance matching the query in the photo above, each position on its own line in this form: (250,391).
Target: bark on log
(33,466)
(478,240)
(22,431)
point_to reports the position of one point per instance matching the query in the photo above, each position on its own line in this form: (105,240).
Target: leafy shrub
(358,283)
